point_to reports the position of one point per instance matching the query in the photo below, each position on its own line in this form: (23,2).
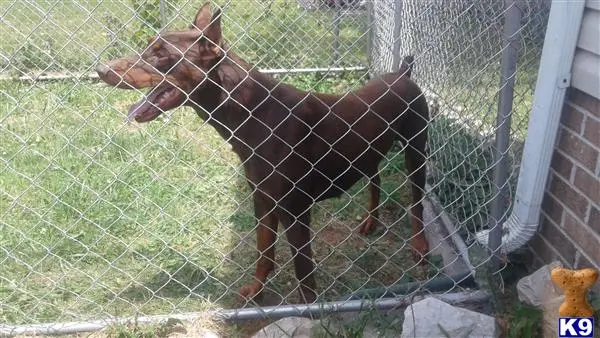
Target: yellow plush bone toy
(575,284)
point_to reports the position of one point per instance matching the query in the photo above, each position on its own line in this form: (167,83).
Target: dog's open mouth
(158,100)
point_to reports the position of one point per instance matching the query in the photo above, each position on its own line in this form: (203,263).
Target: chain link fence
(103,218)
(459,46)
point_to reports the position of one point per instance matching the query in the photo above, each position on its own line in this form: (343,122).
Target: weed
(524,321)
(37,52)
(365,323)
(462,175)
(150,20)
(114,28)
(123,331)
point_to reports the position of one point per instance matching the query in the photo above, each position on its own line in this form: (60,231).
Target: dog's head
(173,65)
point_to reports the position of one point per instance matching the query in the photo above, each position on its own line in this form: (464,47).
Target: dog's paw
(251,291)
(368,225)
(420,249)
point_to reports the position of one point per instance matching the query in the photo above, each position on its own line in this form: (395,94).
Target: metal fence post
(512,22)
(370,37)
(337,17)
(163,14)
(396,36)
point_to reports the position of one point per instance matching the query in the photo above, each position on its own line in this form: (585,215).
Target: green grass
(517,319)
(70,36)
(101,217)
(461,146)
(367,323)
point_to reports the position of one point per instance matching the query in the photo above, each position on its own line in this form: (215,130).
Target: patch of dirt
(345,260)
(337,233)
(251,327)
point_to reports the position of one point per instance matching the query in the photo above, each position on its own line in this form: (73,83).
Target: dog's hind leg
(415,165)
(372,219)
(266,235)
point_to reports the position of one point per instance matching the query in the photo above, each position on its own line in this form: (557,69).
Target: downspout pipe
(554,77)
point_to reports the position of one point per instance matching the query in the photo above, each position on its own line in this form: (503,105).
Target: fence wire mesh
(459,53)
(106,218)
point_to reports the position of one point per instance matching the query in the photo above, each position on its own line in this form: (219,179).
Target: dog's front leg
(298,235)
(266,235)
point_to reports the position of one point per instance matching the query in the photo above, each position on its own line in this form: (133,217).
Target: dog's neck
(233,84)
(233,93)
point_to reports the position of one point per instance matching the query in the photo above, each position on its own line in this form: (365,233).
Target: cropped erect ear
(203,17)
(213,30)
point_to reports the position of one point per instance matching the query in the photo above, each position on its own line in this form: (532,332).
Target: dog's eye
(163,64)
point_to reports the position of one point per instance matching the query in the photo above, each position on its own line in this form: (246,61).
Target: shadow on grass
(202,278)
(346,261)
(179,280)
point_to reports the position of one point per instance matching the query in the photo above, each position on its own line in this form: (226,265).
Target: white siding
(589,38)
(594,4)
(586,65)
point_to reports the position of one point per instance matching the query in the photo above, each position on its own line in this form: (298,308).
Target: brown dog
(297,147)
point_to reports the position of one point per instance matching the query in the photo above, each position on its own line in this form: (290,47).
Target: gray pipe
(57,77)
(512,23)
(553,79)
(272,312)
(440,283)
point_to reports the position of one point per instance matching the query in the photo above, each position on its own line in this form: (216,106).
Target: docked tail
(407,65)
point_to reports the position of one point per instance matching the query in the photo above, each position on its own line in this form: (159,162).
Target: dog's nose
(102,69)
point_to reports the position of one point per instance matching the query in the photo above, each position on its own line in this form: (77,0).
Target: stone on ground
(537,288)
(296,327)
(433,318)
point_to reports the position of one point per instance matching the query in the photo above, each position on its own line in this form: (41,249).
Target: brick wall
(570,221)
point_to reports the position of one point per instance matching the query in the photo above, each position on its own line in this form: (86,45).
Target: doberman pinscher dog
(297,147)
